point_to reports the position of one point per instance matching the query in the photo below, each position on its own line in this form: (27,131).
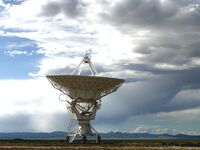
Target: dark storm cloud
(51,9)
(150,96)
(169,49)
(140,12)
(71,8)
(185,99)
(193,49)
(148,68)
(173,26)
(21,122)
(154,13)
(16,122)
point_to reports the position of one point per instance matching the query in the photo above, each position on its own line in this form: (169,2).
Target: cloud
(2,3)
(185,99)
(154,13)
(15,123)
(141,12)
(13,2)
(15,52)
(159,130)
(154,130)
(31,103)
(164,33)
(30,95)
(33,122)
(151,96)
(70,8)
(161,94)
(168,49)
(153,44)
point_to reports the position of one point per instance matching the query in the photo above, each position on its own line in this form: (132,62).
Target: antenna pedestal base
(82,113)
(84,128)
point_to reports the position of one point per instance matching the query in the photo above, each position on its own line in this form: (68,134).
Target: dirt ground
(19,144)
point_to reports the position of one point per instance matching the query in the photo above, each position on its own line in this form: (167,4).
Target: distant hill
(32,135)
(147,136)
(110,135)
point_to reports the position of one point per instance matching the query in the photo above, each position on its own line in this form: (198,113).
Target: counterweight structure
(85,93)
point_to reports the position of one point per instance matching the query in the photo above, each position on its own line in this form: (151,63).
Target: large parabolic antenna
(85,93)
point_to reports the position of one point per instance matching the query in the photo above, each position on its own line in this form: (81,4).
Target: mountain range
(110,135)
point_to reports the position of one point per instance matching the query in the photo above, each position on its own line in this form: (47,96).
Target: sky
(154,45)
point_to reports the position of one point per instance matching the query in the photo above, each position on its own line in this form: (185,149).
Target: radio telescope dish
(85,93)
(84,88)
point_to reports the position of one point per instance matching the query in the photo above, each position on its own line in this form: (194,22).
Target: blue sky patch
(18,57)
(1,8)
(15,30)
(13,2)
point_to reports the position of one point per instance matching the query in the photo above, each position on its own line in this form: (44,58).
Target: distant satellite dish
(85,94)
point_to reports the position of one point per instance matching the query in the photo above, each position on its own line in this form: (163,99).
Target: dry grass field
(106,145)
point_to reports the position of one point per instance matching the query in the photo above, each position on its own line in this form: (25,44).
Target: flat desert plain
(168,144)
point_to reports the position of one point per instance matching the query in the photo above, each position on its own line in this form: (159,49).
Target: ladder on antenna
(71,122)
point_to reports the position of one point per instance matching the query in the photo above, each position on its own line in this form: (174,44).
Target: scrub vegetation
(168,144)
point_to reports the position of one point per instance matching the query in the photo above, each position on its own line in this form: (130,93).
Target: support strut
(84,113)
